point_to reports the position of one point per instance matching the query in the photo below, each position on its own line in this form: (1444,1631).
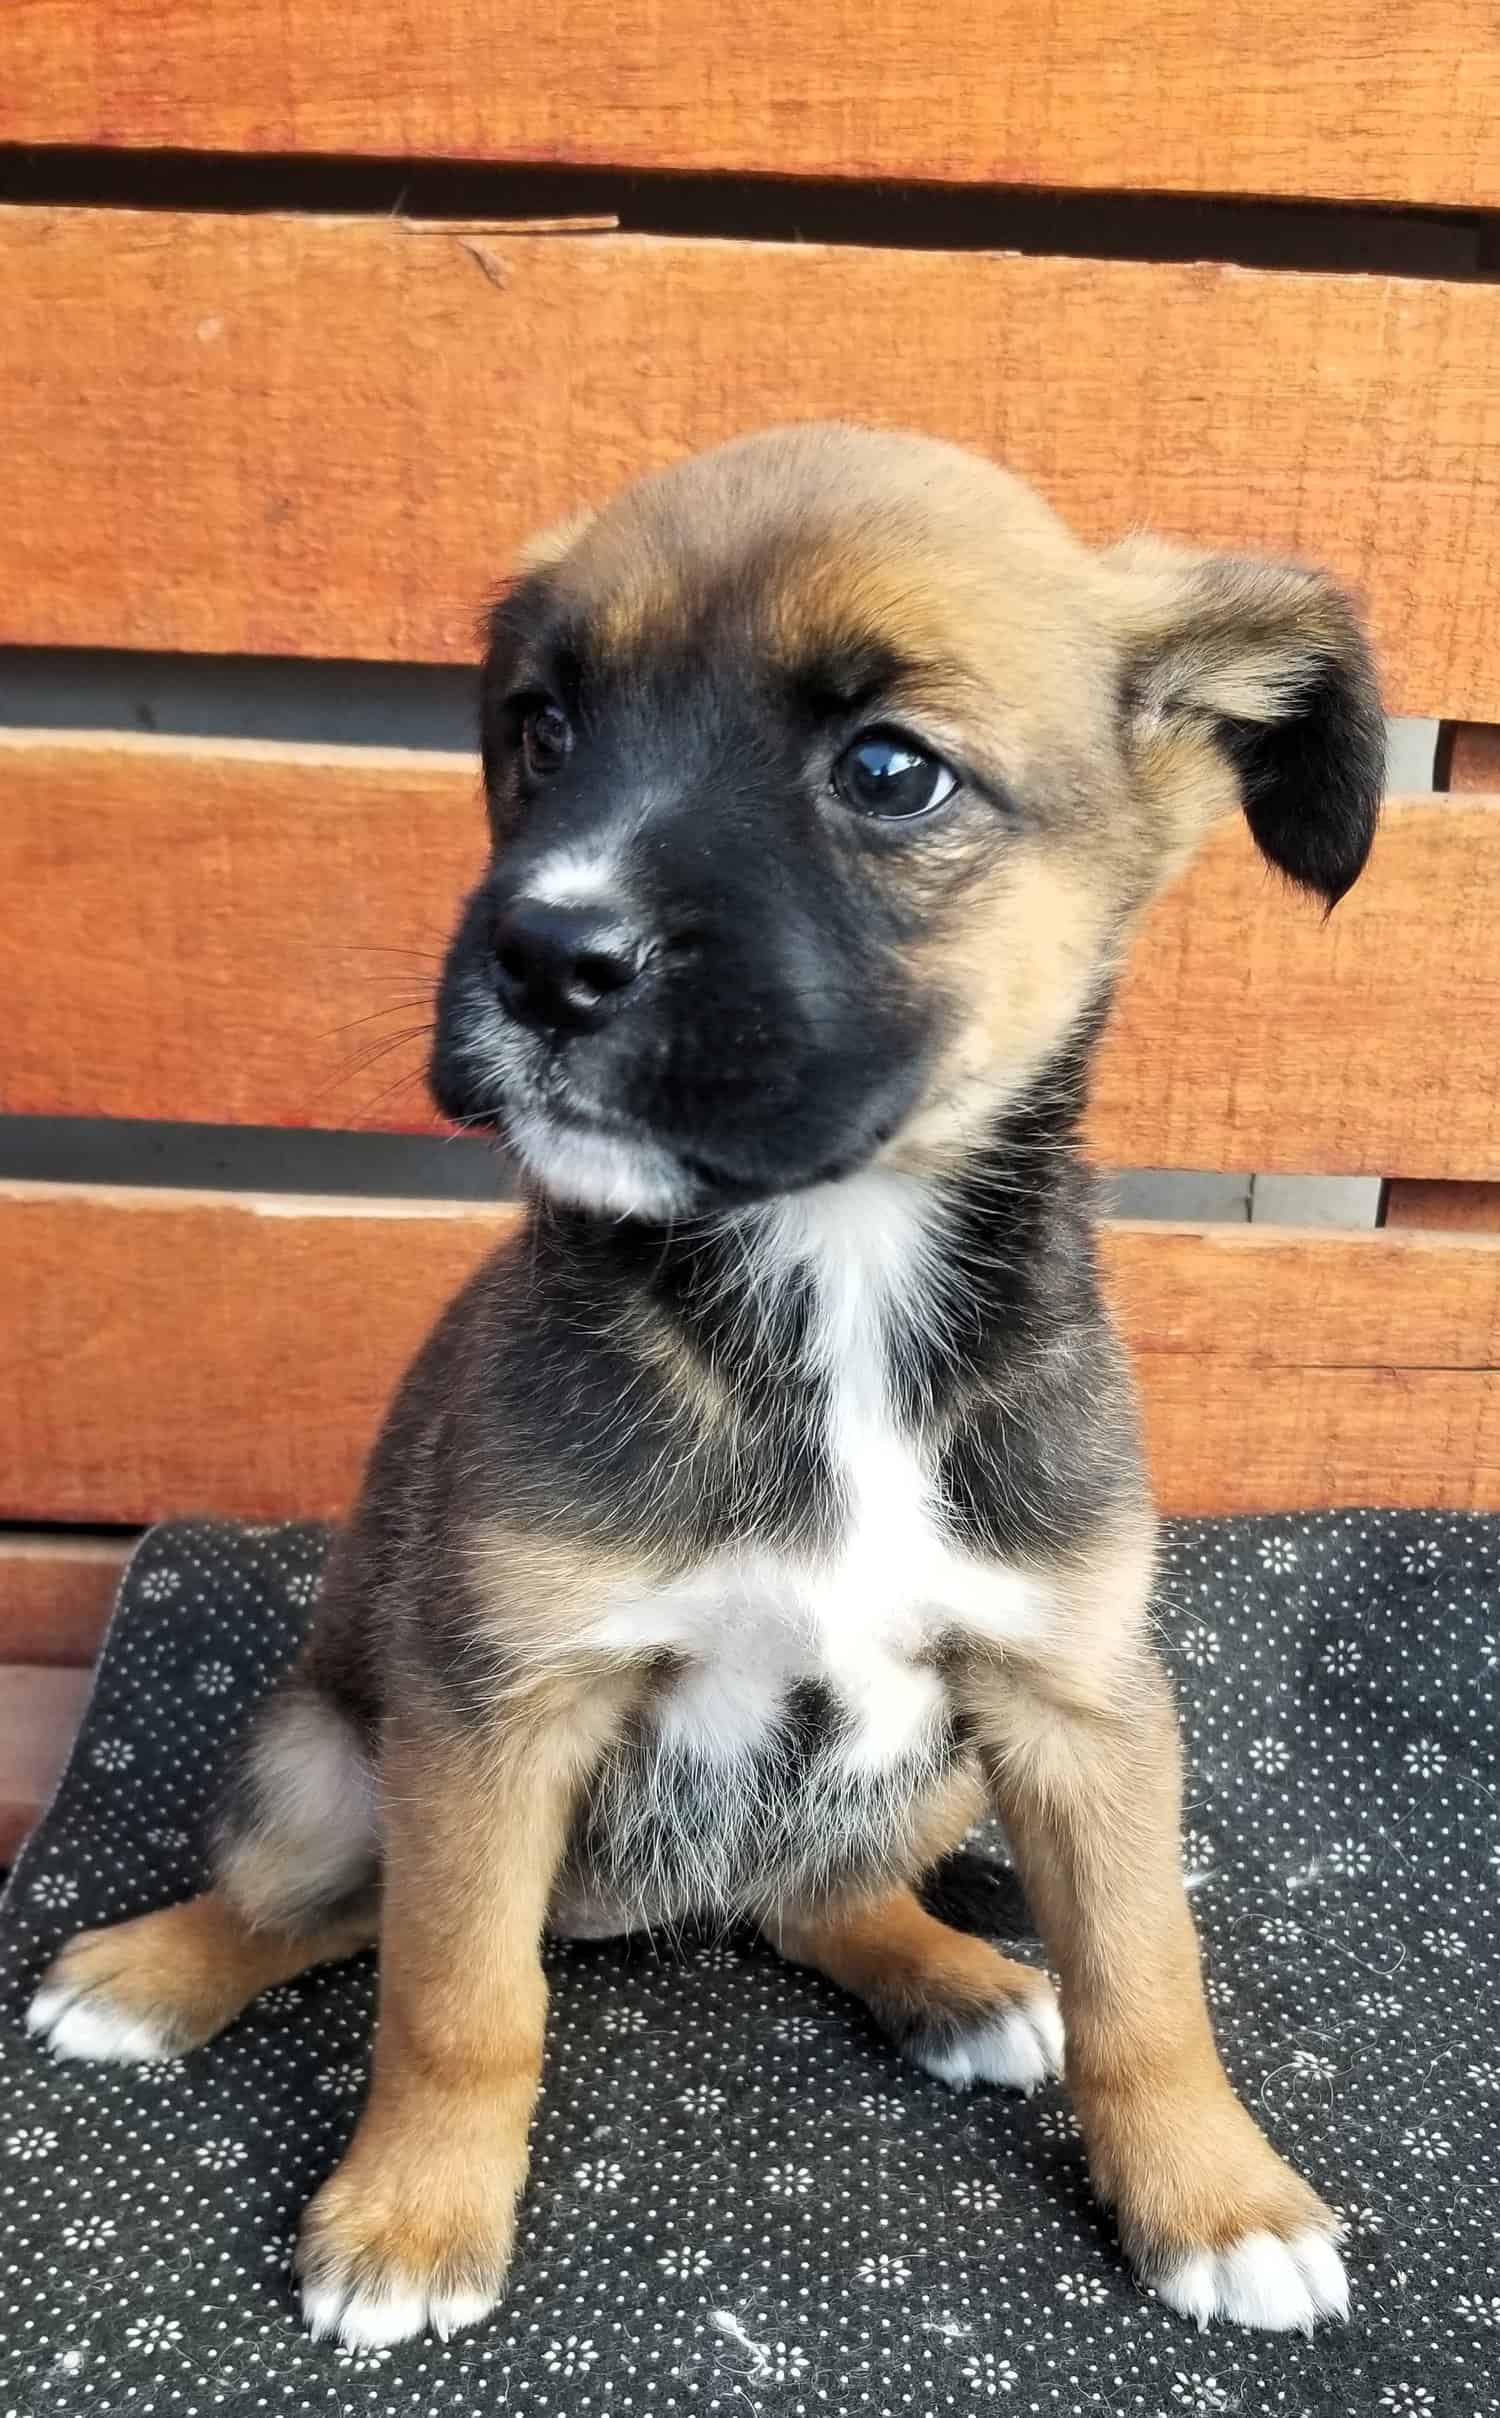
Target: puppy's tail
(972,1892)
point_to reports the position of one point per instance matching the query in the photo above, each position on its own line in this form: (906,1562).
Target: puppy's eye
(886,774)
(546,736)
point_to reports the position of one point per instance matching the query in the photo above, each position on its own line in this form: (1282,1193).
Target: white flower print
(1218,1991)
(1084,2291)
(717,1956)
(341,2081)
(1407,2399)
(574,2355)
(1278,1555)
(1421,2141)
(1268,1756)
(1449,1944)
(885,2269)
(1342,1657)
(280,1998)
(1479,2308)
(988,2373)
(1278,1932)
(301,1586)
(1423,1554)
(54,1890)
(31,2143)
(780,2363)
(220,2153)
(1485,2076)
(159,1586)
(1359,2220)
(979,2193)
(1200,1646)
(1198,1851)
(164,1836)
(213,1678)
(1349,1857)
(1489,1652)
(156,2332)
(683,2260)
(789,2182)
(363,2361)
(1058,2124)
(90,2232)
(1383,2005)
(1198,2393)
(1311,2065)
(1425,1759)
(626,2019)
(884,2104)
(113,1755)
(599,2174)
(701,2099)
(797,2027)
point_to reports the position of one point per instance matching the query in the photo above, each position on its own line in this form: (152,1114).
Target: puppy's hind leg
(950,2003)
(294,1870)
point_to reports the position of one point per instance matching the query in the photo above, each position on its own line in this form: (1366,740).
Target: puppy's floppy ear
(1259,671)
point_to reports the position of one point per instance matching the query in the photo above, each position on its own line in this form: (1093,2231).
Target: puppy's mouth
(590,1163)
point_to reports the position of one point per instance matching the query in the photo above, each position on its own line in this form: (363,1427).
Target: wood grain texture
(1355,99)
(188,1353)
(1473,753)
(328,437)
(56,1595)
(39,1716)
(268,959)
(1454,1208)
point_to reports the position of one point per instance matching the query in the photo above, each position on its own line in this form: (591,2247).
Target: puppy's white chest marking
(859,1620)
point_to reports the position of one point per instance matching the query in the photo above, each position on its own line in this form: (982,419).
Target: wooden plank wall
(1348,100)
(264,430)
(338,431)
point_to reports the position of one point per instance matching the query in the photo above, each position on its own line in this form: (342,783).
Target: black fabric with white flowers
(741,2201)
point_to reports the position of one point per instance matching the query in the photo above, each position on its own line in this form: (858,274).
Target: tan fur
(906,1965)
(1082,1751)
(191,1969)
(475,1833)
(532,1590)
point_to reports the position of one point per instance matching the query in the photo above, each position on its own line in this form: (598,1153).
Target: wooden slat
(39,1716)
(56,1595)
(1364,99)
(1455,1208)
(192,1352)
(283,921)
(1473,750)
(328,437)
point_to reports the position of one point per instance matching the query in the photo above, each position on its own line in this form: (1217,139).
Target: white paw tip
(1021,2049)
(373,2321)
(1278,2287)
(93,2029)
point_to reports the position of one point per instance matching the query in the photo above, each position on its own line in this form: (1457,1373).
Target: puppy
(771,1503)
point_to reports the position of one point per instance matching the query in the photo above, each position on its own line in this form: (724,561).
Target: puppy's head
(825,774)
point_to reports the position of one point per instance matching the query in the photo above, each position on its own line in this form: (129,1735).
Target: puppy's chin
(608,1173)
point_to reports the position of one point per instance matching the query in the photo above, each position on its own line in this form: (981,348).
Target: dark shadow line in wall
(1306,235)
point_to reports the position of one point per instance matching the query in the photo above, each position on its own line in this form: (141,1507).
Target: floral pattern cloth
(742,2202)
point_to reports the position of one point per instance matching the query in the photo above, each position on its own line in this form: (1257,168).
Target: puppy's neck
(899,1289)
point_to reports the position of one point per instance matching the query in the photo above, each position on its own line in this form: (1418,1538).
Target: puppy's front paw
(1282,2284)
(404,2241)
(1212,2219)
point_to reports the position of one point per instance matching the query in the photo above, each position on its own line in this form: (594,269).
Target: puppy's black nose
(565,969)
